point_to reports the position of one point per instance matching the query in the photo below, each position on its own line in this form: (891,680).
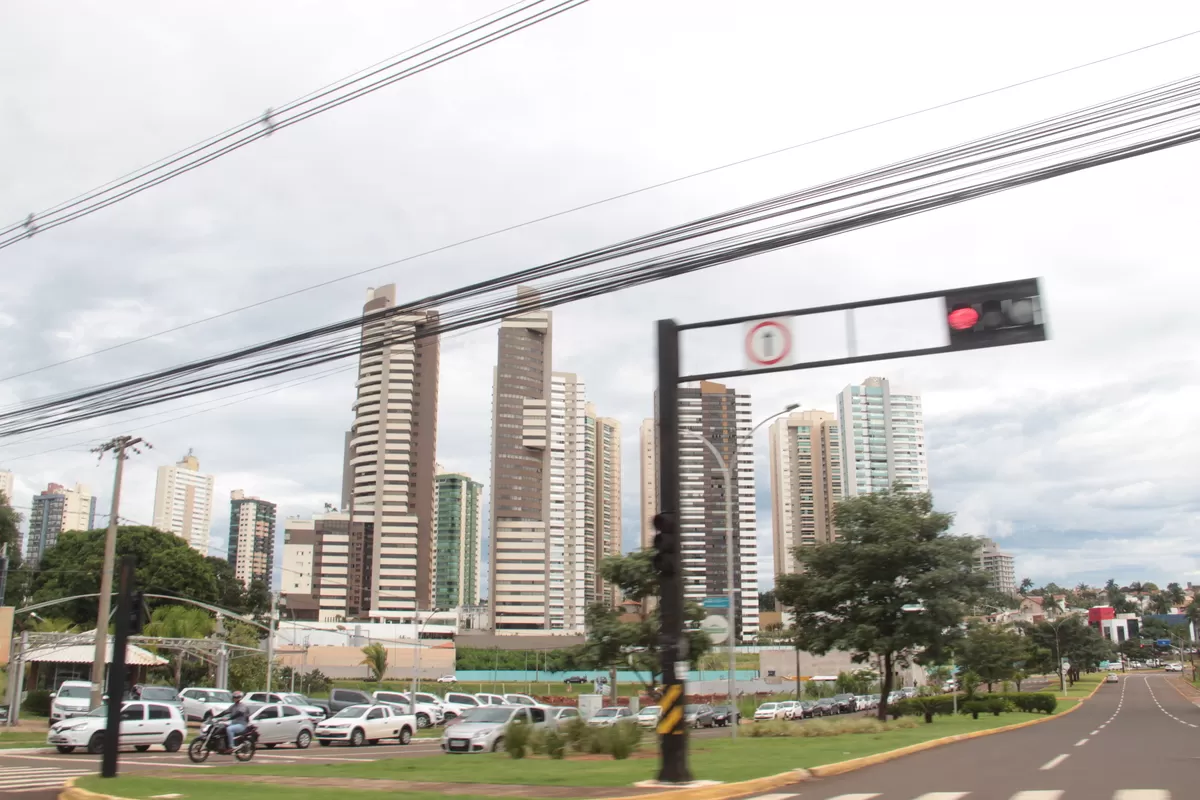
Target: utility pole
(117,446)
(116,675)
(270,640)
(3,570)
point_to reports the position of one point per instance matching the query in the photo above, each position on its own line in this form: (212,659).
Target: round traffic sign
(768,342)
(716,627)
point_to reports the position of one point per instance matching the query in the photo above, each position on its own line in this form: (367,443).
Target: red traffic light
(962,319)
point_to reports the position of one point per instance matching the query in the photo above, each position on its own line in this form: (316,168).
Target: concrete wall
(346,662)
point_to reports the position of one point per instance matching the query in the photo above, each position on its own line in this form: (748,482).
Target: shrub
(922,707)
(774,728)
(576,732)
(517,738)
(597,741)
(974,708)
(827,727)
(554,744)
(620,743)
(1032,702)
(998,705)
(37,702)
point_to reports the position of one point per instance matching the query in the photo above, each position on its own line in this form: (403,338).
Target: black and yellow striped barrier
(670,718)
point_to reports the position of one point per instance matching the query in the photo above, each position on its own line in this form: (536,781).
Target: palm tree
(53,625)
(179,622)
(375,658)
(1160,604)
(1176,594)
(1026,585)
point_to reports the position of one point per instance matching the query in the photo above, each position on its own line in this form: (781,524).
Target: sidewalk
(450,789)
(1186,688)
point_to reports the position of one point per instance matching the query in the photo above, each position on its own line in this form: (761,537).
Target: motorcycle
(212,739)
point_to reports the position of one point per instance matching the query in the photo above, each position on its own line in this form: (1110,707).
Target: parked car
(788,707)
(562,714)
(426,714)
(825,707)
(768,711)
(447,679)
(846,703)
(482,729)
(489,699)
(610,715)
(360,724)
(648,716)
(279,723)
(157,694)
(143,725)
(805,710)
(520,700)
(575,679)
(1112,678)
(458,703)
(698,716)
(201,704)
(723,715)
(286,698)
(344,698)
(73,699)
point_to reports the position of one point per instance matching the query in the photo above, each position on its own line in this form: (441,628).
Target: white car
(648,716)
(286,698)
(142,725)
(356,725)
(489,699)
(1174,667)
(481,730)
(520,700)
(447,679)
(201,704)
(426,713)
(788,707)
(768,711)
(561,715)
(458,703)
(609,716)
(73,699)
(1112,678)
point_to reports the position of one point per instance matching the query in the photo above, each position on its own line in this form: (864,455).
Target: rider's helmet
(237,696)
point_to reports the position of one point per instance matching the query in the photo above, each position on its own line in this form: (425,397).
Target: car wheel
(304,740)
(357,738)
(174,742)
(499,743)
(95,745)
(65,749)
(405,735)
(141,748)
(422,720)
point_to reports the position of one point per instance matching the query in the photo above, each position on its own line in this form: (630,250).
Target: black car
(806,710)
(575,679)
(724,715)
(846,703)
(825,707)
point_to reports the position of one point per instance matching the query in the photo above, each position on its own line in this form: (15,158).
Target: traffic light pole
(116,670)
(672,646)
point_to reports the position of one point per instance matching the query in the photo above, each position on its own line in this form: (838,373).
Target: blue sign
(1163,642)
(716,602)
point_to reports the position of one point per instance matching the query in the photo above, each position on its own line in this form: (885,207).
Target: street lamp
(416,679)
(726,474)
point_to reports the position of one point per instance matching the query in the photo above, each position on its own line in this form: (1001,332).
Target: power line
(613,198)
(1143,122)
(270,122)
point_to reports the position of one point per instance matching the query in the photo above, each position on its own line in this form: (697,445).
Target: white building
(183,501)
(649,481)
(56,511)
(6,485)
(883,438)
(251,548)
(1001,567)
(806,482)
(572,562)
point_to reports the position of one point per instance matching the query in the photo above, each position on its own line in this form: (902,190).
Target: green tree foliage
(1026,586)
(766,601)
(52,625)
(10,536)
(375,658)
(179,622)
(1115,595)
(894,552)
(230,593)
(992,652)
(612,643)
(1160,604)
(859,681)
(1175,594)
(485,658)
(1069,638)
(256,599)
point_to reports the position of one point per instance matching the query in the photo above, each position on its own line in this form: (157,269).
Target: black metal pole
(673,740)
(116,669)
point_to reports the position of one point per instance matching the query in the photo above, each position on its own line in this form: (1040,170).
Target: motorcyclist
(238,716)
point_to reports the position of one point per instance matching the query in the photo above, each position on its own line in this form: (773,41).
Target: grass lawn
(11,739)
(1082,688)
(138,788)
(711,759)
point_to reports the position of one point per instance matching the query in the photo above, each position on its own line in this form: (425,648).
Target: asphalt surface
(1135,740)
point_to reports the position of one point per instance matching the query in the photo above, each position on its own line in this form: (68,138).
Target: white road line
(1038,794)
(1054,762)
(1081,742)
(942,796)
(1142,794)
(778,796)
(1093,733)
(855,796)
(1102,727)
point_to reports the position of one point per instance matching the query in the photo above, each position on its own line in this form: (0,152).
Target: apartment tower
(1000,566)
(6,485)
(56,511)
(459,541)
(606,486)
(390,460)
(183,499)
(720,415)
(647,448)
(251,549)
(327,568)
(883,438)
(806,482)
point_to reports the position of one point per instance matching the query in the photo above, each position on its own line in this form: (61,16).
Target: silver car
(279,723)
(481,730)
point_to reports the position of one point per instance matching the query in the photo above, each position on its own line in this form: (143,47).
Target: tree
(1175,594)
(166,564)
(991,652)
(229,589)
(1116,597)
(52,625)
(257,598)
(1160,604)
(375,658)
(16,588)
(1026,586)
(179,622)
(633,644)
(894,553)
(766,601)
(1070,638)
(937,675)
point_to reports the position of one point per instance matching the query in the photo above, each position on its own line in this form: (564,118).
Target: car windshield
(487,715)
(721,709)
(606,712)
(692,709)
(648,711)
(159,693)
(296,699)
(76,692)
(98,711)
(352,712)
(767,707)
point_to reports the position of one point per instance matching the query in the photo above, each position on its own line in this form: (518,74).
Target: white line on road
(943,796)
(1142,794)
(1038,794)
(848,796)
(1054,762)
(778,796)
(1081,742)
(1096,731)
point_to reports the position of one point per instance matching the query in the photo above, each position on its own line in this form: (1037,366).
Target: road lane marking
(1142,794)
(854,796)
(1054,762)
(778,796)
(1093,733)
(1038,794)
(1081,742)
(1102,727)
(942,796)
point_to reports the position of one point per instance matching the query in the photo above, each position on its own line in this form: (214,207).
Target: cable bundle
(1144,122)
(437,51)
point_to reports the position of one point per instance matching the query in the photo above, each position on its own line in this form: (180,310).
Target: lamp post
(726,473)
(416,679)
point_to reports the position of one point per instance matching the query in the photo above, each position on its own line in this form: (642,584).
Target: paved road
(1136,740)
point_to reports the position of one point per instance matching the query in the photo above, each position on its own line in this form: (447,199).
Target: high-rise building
(183,499)
(251,549)
(552,512)
(1001,567)
(606,483)
(6,485)
(390,460)
(722,416)
(56,511)
(806,482)
(327,568)
(883,439)
(459,541)
(649,481)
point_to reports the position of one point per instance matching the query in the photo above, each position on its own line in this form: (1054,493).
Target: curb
(72,792)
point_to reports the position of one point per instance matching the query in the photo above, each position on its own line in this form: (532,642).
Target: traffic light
(137,613)
(994,315)
(666,545)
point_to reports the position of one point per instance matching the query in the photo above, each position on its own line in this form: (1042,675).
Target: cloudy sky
(1078,454)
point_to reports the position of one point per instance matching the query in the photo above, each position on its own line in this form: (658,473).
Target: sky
(1076,454)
